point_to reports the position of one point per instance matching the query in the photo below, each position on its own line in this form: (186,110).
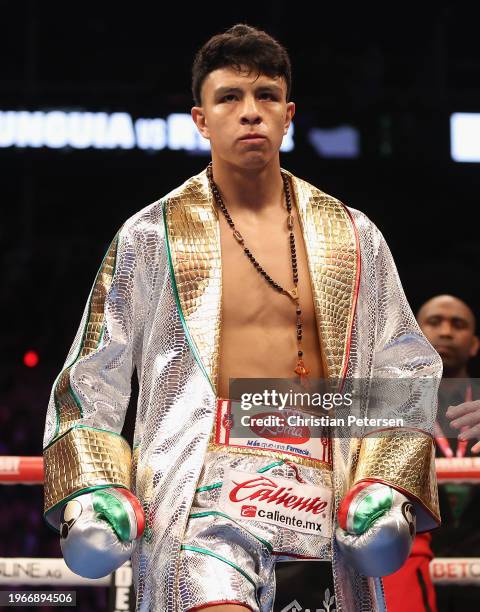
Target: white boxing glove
(98,531)
(376,528)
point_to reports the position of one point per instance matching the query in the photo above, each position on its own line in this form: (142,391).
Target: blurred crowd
(23,532)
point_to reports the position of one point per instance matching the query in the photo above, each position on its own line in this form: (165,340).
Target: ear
(475,346)
(200,121)
(289,116)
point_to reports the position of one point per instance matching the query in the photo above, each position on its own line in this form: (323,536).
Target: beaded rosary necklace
(300,369)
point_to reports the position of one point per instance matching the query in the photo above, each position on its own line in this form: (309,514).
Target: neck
(251,189)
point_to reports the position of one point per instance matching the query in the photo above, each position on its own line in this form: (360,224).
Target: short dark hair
(241,45)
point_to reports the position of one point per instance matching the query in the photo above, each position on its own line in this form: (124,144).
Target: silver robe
(155,306)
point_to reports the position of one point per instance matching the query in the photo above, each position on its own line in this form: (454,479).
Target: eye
(228,98)
(267,95)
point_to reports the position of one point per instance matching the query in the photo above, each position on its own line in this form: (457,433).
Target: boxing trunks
(259,500)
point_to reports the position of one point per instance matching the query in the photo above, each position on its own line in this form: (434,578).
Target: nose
(250,114)
(445,330)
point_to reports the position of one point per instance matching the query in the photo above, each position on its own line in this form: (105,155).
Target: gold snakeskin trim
(67,404)
(194,243)
(333,259)
(306,461)
(404,459)
(84,458)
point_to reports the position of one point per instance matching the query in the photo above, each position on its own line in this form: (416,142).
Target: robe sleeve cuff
(80,461)
(405,460)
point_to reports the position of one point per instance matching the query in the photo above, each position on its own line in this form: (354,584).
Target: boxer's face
(450,327)
(244,115)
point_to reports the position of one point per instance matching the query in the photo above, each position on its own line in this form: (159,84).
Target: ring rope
(29,470)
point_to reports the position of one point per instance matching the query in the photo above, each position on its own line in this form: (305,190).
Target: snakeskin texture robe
(155,306)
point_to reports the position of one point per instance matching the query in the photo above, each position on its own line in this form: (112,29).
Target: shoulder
(369,235)
(365,227)
(146,222)
(150,219)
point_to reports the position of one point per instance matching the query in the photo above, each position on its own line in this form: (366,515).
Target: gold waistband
(264,452)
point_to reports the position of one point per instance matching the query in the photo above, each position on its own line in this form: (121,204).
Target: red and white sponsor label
(279,501)
(279,431)
(248,511)
(25,470)
(455,571)
(9,465)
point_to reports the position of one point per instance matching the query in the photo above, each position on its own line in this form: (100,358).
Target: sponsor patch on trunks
(278,501)
(268,433)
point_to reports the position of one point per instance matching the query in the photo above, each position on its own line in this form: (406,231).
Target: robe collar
(331,243)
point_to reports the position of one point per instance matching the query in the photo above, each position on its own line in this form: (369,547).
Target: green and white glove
(98,531)
(376,528)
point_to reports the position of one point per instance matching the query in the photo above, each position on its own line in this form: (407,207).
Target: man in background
(449,324)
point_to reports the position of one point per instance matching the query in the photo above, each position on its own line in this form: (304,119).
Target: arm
(83,449)
(394,490)
(405,377)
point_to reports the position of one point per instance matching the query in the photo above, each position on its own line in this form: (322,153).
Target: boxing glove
(376,528)
(98,531)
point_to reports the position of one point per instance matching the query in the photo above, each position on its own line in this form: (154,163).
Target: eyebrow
(221,91)
(455,318)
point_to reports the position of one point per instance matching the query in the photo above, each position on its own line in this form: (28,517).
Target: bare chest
(259,323)
(247,296)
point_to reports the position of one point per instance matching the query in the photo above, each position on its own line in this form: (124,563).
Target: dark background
(395,71)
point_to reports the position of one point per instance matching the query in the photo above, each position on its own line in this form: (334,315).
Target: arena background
(374,87)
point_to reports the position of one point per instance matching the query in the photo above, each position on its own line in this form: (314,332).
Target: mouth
(443,349)
(252,137)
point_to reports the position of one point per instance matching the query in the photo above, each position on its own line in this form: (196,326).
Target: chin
(254,161)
